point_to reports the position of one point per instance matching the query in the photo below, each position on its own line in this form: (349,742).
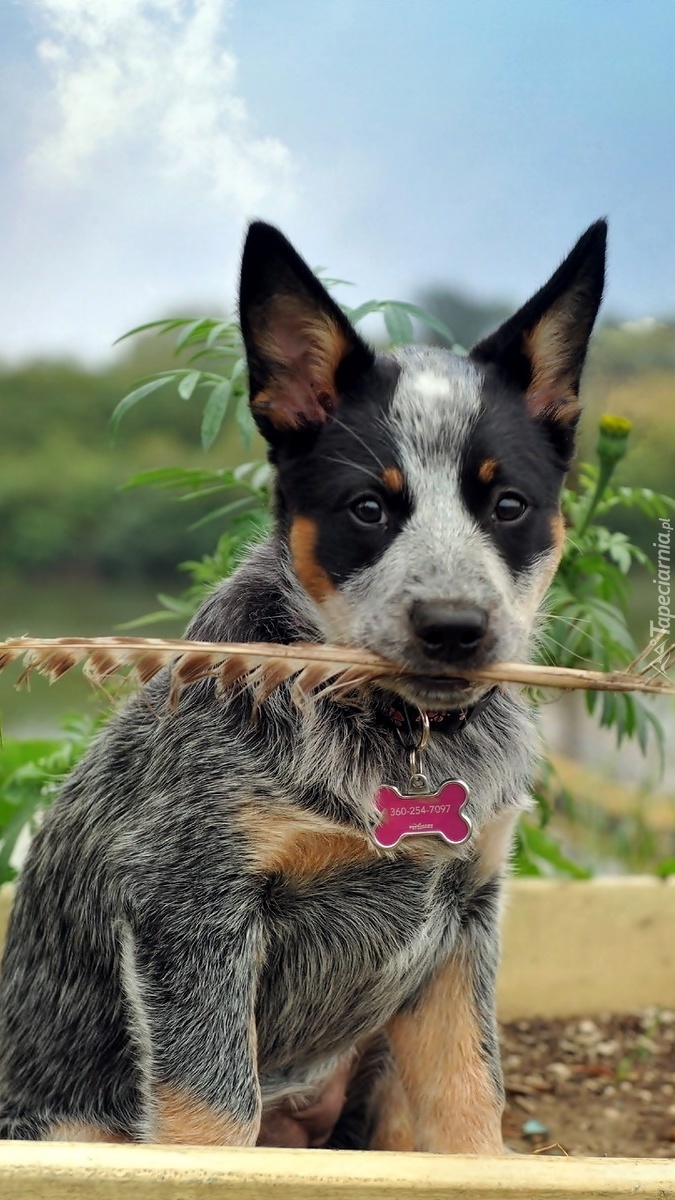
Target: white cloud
(152,81)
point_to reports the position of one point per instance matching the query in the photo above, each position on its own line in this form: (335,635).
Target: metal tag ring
(425,733)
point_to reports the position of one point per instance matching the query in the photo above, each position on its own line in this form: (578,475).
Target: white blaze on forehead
(432,416)
(437,400)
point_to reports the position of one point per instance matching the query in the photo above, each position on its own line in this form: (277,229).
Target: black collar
(403,717)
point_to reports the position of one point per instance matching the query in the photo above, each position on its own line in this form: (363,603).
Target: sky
(464,143)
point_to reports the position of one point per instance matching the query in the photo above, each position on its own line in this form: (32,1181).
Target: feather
(311,677)
(320,671)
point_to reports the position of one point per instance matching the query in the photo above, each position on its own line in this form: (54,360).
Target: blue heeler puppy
(214,938)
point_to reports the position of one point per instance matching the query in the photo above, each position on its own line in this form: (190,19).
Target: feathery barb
(315,670)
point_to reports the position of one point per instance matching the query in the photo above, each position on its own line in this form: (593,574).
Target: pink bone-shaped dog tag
(440,813)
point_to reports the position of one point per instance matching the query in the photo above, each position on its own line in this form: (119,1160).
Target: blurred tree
(468,319)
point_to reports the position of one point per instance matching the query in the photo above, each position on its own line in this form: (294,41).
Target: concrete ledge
(574,948)
(66,1172)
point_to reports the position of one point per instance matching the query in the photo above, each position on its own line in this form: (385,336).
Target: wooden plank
(62,1172)
(575,948)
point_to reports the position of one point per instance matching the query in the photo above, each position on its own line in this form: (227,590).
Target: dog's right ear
(543,347)
(301,349)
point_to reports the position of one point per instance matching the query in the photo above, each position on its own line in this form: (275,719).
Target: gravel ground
(601,1086)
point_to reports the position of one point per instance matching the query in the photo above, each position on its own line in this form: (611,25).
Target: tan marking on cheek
(437,1049)
(558,534)
(393,480)
(73,1131)
(493,846)
(185,1120)
(553,559)
(303,539)
(283,840)
(487,470)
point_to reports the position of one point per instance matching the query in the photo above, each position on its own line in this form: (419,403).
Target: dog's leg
(446,1051)
(193,1002)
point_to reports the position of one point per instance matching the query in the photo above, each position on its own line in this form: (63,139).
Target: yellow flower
(613,439)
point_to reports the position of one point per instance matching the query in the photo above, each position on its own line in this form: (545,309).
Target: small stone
(537,1083)
(670,1111)
(667,1017)
(560,1071)
(589,1034)
(535,1129)
(610,1090)
(606,1049)
(523,1026)
(649,1015)
(611,1114)
(625,1085)
(512,1062)
(645,1096)
(667,1089)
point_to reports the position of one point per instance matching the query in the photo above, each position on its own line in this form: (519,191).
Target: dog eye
(510,507)
(368,510)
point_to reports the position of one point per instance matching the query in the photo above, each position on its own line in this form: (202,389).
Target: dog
(210,943)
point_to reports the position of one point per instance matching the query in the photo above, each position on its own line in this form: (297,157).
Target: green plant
(587,622)
(31,773)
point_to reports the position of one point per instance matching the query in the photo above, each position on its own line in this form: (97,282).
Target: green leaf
(189,333)
(228,510)
(665,868)
(261,476)
(16,753)
(433,322)
(238,369)
(245,423)
(214,412)
(154,618)
(216,330)
(164,326)
(188,384)
(364,310)
(399,325)
(244,469)
(545,854)
(133,398)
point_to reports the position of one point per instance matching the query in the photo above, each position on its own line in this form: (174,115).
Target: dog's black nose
(447,631)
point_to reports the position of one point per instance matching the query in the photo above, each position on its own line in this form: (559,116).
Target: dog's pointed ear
(542,348)
(301,349)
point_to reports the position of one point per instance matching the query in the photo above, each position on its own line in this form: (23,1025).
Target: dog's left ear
(301,349)
(542,348)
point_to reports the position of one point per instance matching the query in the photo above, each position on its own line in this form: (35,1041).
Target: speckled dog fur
(205,932)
